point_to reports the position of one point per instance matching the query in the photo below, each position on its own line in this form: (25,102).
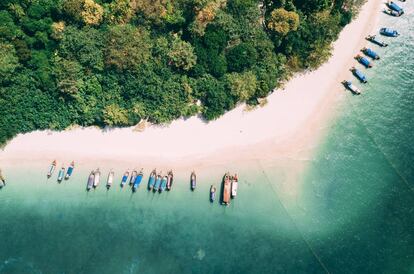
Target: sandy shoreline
(292,122)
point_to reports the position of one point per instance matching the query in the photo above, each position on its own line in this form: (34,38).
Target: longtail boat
(234,186)
(137,181)
(374,40)
(363,61)
(61,175)
(70,170)
(91,179)
(392,12)
(134,175)
(393,6)
(389,32)
(97,179)
(359,75)
(110,180)
(51,169)
(351,87)
(124,178)
(151,180)
(157,183)
(2,180)
(370,53)
(163,183)
(170,180)
(193,180)
(226,189)
(212,193)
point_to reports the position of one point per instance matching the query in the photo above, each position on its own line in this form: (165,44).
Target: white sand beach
(291,121)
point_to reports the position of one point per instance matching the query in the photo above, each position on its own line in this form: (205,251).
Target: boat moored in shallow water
(351,87)
(226,189)
(61,175)
(70,170)
(359,75)
(2,180)
(193,180)
(157,183)
(124,178)
(51,169)
(97,179)
(364,61)
(370,53)
(392,12)
(389,32)
(134,175)
(394,7)
(91,178)
(137,181)
(212,193)
(234,186)
(163,183)
(151,179)
(373,39)
(110,180)
(170,180)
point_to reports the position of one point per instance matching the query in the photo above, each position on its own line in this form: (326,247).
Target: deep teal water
(354,212)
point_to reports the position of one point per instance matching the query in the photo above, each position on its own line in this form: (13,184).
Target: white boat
(234,186)
(97,178)
(90,181)
(110,180)
(51,169)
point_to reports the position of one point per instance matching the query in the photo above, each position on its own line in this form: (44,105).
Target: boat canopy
(395,7)
(364,61)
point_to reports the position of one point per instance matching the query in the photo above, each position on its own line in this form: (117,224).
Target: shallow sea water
(353,213)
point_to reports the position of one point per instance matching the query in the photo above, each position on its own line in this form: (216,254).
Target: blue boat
(393,6)
(163,183)
(389,32)
(61,174)
(374,40)
(137,181)
(359,75)
(151,180)
(124,178)
(370,53)
(157,183)
(364,61)
(351,87)
(70,170)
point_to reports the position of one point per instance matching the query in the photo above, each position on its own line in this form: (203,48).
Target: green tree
(114,115)
(282,21)
(68,75)
(127,47)
(181,54)
(8,61)
(120,12)
(84,45)
(241,57)
(242,85)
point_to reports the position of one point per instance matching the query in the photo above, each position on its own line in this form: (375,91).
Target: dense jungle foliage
(115,62)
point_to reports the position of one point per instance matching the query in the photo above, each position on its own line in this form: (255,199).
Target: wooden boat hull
(226,190)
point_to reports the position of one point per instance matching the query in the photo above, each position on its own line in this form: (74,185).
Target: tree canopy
(114,62)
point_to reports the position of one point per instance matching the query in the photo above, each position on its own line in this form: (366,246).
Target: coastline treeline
(115,62)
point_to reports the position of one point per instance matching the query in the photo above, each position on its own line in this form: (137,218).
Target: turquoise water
(354,211)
